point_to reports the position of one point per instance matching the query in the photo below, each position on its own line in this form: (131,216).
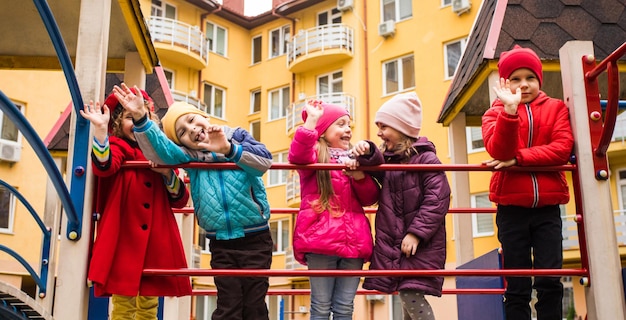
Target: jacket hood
(420,146)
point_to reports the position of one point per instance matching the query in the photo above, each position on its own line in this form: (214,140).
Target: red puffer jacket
(539,135)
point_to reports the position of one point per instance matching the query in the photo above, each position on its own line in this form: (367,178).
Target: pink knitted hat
(332,112)
(403,112)
(518,58)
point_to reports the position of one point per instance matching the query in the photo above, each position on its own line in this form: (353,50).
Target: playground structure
(601,265)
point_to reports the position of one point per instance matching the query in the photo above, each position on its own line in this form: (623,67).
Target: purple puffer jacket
(415,202)
(347,235)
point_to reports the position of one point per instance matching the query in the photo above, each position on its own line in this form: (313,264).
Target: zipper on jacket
(533,177)
(225,204)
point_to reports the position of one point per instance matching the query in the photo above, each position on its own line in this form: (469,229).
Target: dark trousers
(531,238)
(242,298)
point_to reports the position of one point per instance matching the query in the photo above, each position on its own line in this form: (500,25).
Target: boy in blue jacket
(230,205)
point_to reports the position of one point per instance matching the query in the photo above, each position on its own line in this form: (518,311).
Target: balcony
(292,190)
(184,97)
(320,46)
(570,230)
(180,42)
(619,133)
(294,114)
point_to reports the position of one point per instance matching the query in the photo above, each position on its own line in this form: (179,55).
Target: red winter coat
(137,229)
(539,135)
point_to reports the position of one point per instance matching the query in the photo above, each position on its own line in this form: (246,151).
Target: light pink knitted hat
(403,112)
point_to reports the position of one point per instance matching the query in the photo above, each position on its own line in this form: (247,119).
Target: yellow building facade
(256,72)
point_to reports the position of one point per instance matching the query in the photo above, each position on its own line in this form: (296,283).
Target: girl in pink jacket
(332,231)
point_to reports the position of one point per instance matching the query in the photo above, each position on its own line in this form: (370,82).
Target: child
(331,231)
(410,221)
(230,205)
(525,127)
(137,229)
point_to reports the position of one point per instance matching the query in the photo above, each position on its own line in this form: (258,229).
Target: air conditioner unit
(345,5)
(10,151)
(460,6)
(387,28)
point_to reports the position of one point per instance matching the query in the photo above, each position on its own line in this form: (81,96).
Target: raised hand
(130,101)
(217,140)
(509,98)
(99,118)
(314,111)
(361,148)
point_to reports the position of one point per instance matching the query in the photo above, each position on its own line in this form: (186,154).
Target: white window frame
(399,72)
(211,105)
(398,10)
(280,244)
(284,34)
(333,16)
(282,110)
(254,48)
(470,133)
(335,77)
(253,99)
(161,11)
(251,130)
(475,218)
(621,198)
(214,45)
(446,57)
(278,177)
(172,80)
(446,3)
(10,213)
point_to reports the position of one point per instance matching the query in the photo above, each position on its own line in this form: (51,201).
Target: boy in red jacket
(525,127)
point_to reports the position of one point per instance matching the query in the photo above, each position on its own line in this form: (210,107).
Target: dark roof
(542,25)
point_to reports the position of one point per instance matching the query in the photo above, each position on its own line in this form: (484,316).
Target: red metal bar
(189,210)
(611,110)
(336,166)
(613,57)
(306,292)
(365,273)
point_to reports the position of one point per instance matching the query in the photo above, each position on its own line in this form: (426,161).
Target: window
(255,130)
(256,49)
(8,129)
(214,99)
(452,54)
(169,77)
(475,141)
(396,10)
(399,75)
(278,177)
(482,223)
(330,83)
(216,37)
(621,191)
(445,3)
(7,210)
(205,305)
(255,101)
(280,235)
(161,9)
(279,40)
(329,17)
(279,102)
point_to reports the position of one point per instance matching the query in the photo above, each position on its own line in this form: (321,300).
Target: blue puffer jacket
(228,203)
(411,202)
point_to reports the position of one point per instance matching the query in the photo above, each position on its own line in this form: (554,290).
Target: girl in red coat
(137,229)
(525,127)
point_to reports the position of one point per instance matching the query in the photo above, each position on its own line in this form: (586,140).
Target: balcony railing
(294,113)
(331,36)
(184,97)
(181,35)
(292,187)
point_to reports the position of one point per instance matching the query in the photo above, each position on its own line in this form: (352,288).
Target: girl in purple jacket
(331,231)
(410,221)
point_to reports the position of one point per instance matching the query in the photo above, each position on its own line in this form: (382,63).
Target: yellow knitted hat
(175,111)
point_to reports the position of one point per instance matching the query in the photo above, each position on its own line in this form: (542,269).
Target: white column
(72,294)
(463,235)
(605,295)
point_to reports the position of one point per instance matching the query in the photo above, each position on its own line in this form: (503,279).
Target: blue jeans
(333,294)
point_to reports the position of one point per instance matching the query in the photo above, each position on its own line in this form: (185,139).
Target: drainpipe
(293,32)
(367,76)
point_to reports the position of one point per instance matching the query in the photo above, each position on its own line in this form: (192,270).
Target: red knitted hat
(332,112)
(518,58)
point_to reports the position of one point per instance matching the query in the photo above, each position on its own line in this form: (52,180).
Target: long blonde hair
(324,184)
(404,148)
